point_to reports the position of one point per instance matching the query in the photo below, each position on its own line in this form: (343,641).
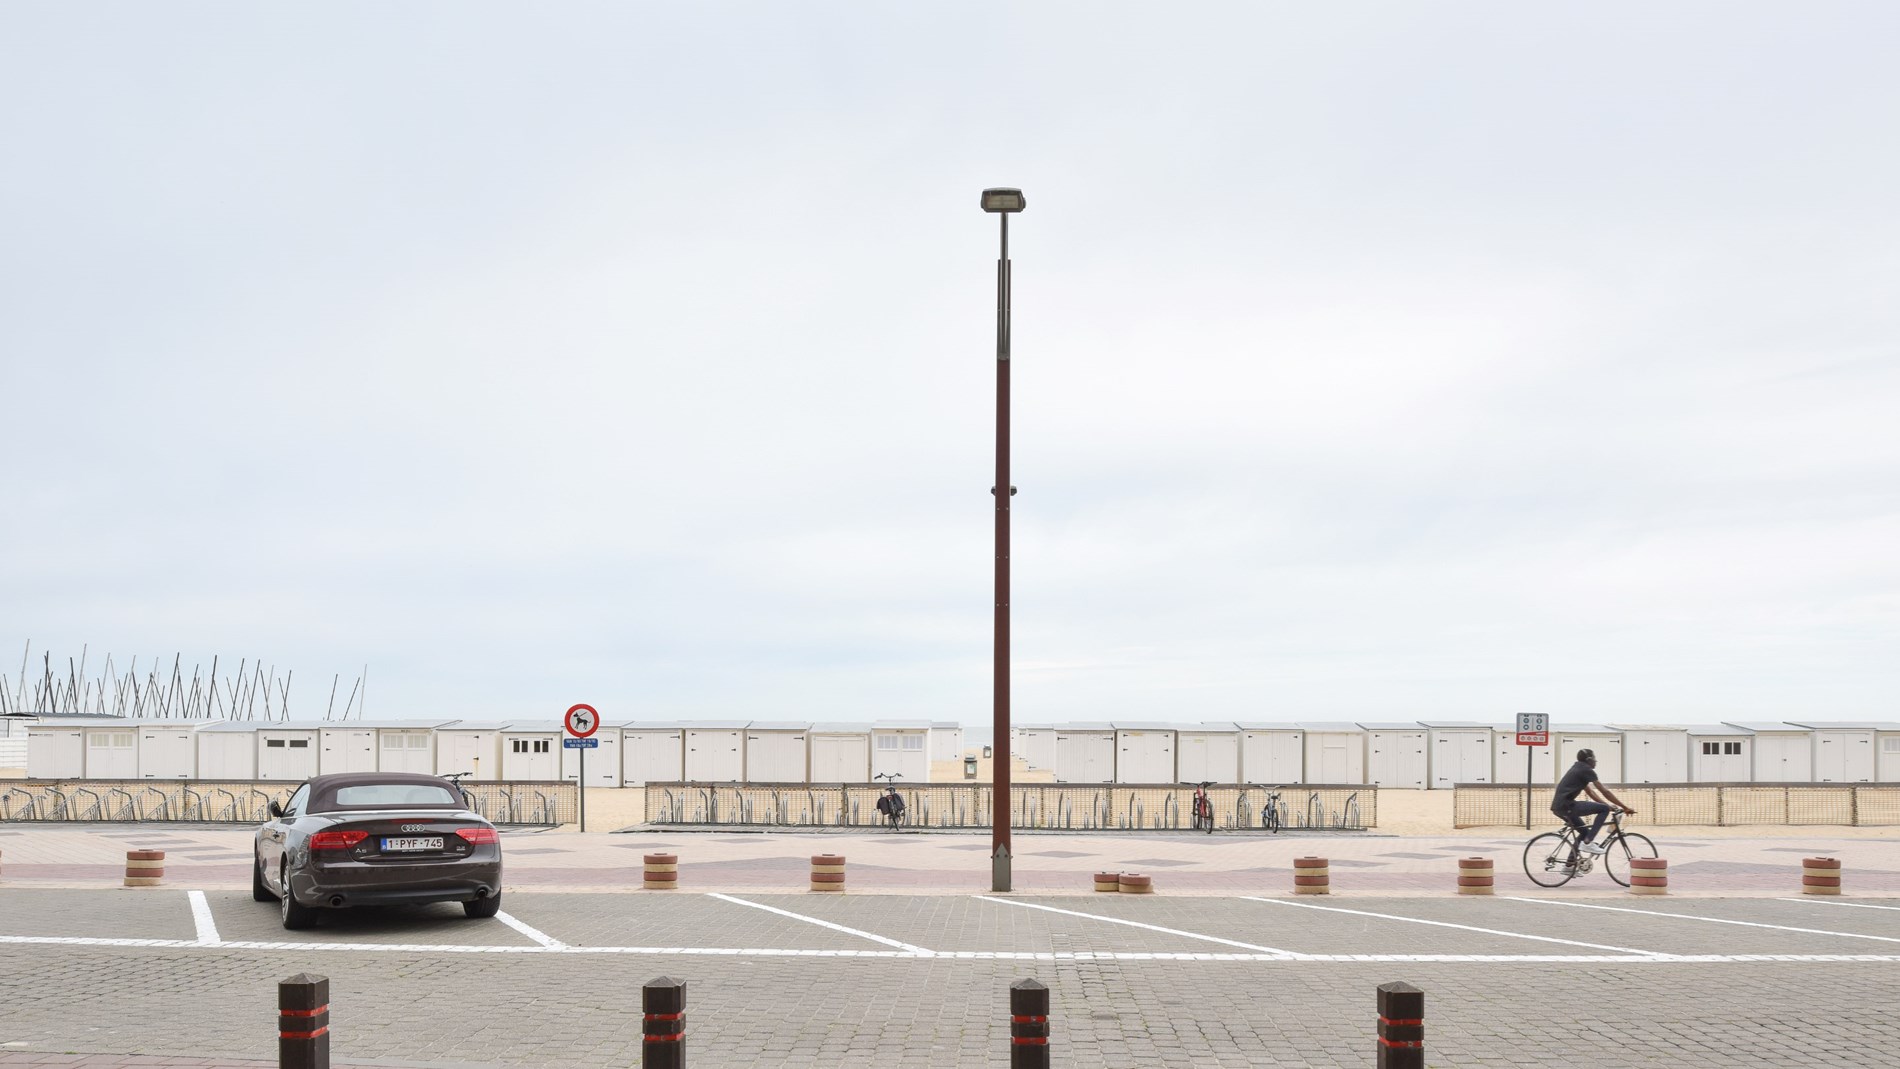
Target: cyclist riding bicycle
(1583,777)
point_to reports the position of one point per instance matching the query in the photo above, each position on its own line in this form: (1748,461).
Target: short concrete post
(827,872)
(144,868)
(662,872)
(1028,1025)
(1311,876)
(663,1002)
(1820,875)
(1475,876)
(1649,876)
(1134,883)
(1108,881)
(303,1022)
(1401,1027)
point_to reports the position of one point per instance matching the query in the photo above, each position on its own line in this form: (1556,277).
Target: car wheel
(483,907)
(295,916)
(259,892)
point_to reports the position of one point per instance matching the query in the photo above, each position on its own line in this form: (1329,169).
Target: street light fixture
(1003,202)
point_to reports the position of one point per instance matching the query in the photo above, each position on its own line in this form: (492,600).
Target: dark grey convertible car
(367,838)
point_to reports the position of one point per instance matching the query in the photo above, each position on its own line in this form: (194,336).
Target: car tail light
(336,840)
(479,836)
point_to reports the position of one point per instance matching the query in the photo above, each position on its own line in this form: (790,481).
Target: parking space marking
(1447,924)
(529,930)
(1137,924)
(915,950)
(1829,902)
(202,919)
(1709,920)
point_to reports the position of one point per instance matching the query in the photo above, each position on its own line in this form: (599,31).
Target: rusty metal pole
(1000,802)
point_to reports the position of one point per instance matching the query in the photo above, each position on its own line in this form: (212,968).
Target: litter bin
(969,768)
(987,753)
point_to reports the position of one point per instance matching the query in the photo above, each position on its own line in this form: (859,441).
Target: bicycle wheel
(1616,860)
(1547,860)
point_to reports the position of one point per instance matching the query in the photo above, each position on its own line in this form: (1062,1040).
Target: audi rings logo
(415,827)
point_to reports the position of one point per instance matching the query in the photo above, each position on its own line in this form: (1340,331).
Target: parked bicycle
(1203,808)
(890,803)
(1552,859)
(1272,816)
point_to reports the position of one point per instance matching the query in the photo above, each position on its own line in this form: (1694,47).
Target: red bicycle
(1203,808)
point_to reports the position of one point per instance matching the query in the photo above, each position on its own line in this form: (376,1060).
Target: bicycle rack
(127,811)
(6,807)
(191,804)
(1349,813)
(98,810)
(1172,809)
(163,809)
(260,811)
(229,813)
(1313,802)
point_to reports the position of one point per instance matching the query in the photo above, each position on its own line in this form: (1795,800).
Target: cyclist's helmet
(1588,757)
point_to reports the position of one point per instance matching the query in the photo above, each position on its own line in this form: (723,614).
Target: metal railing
(246,801)
(1477,805)
(1054,806)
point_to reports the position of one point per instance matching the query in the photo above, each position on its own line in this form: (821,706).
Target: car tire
(259,892)
(295,917)
(483,907)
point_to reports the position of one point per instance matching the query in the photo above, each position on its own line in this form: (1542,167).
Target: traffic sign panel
(582,721)
(1533,722)
(580,744)
(1533,738)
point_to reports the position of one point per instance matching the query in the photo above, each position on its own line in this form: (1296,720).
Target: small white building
(346,746)
(603,758)
(82,747)
(1653,753)
(1720,753)
(1206,752)
(13,740)
(1144,752)
(1783,753)
(469,746)
(1335,753)
(55,749)
(840,753)
(168,749)
(1510,763)
(287,751)
(1398,755)
(531,751)
(1843,752)
(406,745)
(1272,753)
(1887,761)
(903,747)
(1460,752)
(779,752)
(1606,742)
(715,751)
(652,753)
(1085,753)
(1035,744)
(227,750)
(946,741)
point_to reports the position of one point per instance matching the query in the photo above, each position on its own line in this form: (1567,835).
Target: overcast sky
(1372,361)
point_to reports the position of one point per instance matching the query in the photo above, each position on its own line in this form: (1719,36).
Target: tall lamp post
(1004,203)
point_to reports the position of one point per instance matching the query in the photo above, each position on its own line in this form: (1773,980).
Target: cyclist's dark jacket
(1572,785)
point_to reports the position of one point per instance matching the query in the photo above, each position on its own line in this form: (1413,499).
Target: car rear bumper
(353,886)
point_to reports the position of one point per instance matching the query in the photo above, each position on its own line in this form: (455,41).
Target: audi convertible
(376,838)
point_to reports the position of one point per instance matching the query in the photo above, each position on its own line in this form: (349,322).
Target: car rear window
(394,794)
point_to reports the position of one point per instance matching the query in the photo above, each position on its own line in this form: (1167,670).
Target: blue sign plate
(580,744)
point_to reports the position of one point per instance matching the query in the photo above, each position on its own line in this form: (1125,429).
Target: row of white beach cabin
(627,753)
(1442,754)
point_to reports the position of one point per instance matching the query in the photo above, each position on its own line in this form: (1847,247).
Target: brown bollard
(1649,876)
(1820,875)
(1401,1027)
(1108,881)
(1134,883)
(662,872)
(827,872)
(1311,876)
(663,1002)
(1475,876)
(1028,1025)
(144,868)
(303,1022)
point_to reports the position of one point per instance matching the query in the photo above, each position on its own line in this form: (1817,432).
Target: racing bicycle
(1552,859)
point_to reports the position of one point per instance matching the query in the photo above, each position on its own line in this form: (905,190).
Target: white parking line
(202,919)
(1447,924)
(530,931)
(1709,920)
(1831,902)
(1137,924)
(916,950)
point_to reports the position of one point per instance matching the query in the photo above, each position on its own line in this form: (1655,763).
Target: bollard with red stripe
(1820,875)
(1401,1027)
(303,1022)
(663,1001)
(1649,876)
(1028,1025)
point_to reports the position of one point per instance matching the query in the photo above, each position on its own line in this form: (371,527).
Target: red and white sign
(1533,738)
(1533,729)
(581,721)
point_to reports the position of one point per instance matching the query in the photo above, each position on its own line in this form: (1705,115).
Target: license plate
(433,842)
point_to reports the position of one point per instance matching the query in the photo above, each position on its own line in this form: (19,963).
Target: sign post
(581,722)
(1533,730)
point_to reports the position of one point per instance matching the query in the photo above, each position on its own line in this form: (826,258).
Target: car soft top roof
(323,789)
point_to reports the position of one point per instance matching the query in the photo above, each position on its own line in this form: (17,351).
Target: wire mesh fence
(1477,805)
(243,801)
(1069,807)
